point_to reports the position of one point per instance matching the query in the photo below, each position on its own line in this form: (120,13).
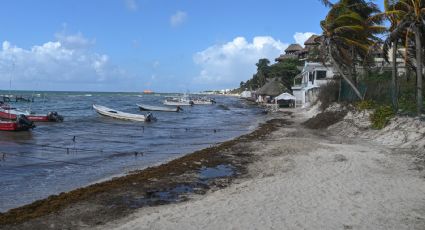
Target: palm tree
(392,42)
(349,32)
(411,16)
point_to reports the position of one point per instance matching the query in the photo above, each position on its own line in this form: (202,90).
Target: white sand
(305,180)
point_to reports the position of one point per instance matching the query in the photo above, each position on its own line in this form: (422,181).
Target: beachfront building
(270,90)
(307,83)
(292,52)
(296,51)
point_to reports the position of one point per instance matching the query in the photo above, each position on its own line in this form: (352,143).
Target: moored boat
(20,124)
(12,114)
(203,101)
(159,108)
(105,111)
(178,101)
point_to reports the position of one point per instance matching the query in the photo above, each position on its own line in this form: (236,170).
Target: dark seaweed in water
(179,192)
(151,198)
(37,164)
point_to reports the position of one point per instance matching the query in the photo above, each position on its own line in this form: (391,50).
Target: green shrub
(381,116)
(365,104)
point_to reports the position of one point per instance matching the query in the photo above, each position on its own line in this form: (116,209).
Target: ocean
(88,148)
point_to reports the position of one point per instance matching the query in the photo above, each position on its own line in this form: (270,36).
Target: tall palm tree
(392,42)
(349,32)
(411,16)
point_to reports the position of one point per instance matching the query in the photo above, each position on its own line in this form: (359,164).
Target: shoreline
(282,175)
(305,179)
(119,196)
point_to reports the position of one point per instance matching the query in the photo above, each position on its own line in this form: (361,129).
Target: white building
(309,80)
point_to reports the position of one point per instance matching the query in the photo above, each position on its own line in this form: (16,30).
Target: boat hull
(108,112)
(158,108)
(20,124)
(12,115)
(178,103)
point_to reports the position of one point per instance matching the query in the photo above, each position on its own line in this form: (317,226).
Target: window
(320,75)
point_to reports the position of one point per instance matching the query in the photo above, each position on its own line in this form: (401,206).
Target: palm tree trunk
(418,44)
(394,80)
(348,80)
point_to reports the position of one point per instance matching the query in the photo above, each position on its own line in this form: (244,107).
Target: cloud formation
(226,65)
(300,38)
(178,18)
(68,60)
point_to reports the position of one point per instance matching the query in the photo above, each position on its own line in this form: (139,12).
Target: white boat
(159,108)
(202,101)
(105,111)
(178,101)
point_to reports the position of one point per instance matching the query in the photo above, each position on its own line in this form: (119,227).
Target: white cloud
(74,41)
(300,38)
(131,5)
(226,65)
(66,60)
(178,18)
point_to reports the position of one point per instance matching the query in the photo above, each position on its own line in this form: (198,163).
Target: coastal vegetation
(376,55)
(285,71)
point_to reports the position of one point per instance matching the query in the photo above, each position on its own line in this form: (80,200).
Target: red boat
(12,115)
(20,124)
(7,112)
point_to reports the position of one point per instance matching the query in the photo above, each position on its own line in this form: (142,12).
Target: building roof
(272,88)
(294,48)
(311,40)
(286,56)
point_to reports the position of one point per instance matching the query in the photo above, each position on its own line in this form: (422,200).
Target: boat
(20,124)
(147,91)
(203,101)
(105,111)
(10,113)
(159,108)
(178,101)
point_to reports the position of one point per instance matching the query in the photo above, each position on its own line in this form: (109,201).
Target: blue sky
(132,45)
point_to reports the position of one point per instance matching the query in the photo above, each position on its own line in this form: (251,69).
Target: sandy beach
(286,177)
(305,179)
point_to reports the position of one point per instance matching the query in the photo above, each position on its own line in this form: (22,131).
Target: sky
(134,45)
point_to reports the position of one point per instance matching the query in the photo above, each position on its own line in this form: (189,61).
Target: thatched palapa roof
(293,48)
(312,40)
(286,56)
(272,88)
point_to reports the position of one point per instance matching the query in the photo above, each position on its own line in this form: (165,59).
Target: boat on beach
(21,123)
(105,111)
(159,108)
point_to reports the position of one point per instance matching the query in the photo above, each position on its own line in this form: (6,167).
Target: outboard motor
(191,103)
(149,117)
(24,122)
(54,116)
(213,101)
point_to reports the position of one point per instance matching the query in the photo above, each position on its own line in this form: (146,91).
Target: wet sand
(175,181)
(281,176)
(305,179)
